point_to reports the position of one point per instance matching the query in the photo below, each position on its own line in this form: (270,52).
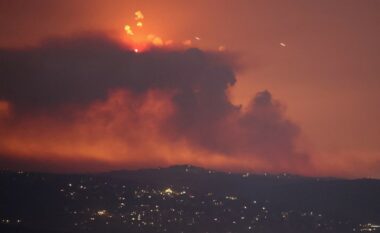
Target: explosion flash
(137,38)
(141,41)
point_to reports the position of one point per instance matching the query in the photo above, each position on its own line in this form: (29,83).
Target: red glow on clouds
(118,132)
(129,130)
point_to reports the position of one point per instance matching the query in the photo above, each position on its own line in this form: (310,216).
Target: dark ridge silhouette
(46,202)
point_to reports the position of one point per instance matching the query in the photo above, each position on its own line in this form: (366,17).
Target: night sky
(265,86)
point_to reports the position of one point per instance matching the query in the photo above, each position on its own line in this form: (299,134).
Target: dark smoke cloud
(78,71)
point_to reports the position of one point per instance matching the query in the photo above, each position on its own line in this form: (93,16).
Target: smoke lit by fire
(95,100)
(92,100)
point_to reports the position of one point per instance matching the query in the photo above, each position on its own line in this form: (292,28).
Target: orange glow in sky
(318,58)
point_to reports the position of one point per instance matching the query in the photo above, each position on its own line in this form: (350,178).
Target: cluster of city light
(9,221)
(370,227)
(164,208)
(148,212)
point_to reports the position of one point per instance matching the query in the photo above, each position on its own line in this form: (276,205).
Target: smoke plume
(93,98)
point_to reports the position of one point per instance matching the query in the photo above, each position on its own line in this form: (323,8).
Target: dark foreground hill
(185,199)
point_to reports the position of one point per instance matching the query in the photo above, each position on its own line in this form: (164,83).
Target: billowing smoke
(180,94)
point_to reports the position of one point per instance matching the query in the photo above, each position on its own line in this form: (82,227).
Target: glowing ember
(139,15)
(128,29)
(139,43)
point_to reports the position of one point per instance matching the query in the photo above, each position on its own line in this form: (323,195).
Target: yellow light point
(101,212)
(139,15)
(128,29)
(168,191)
(136,50)
(139,24)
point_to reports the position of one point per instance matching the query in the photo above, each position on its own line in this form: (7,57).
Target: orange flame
(140,40)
